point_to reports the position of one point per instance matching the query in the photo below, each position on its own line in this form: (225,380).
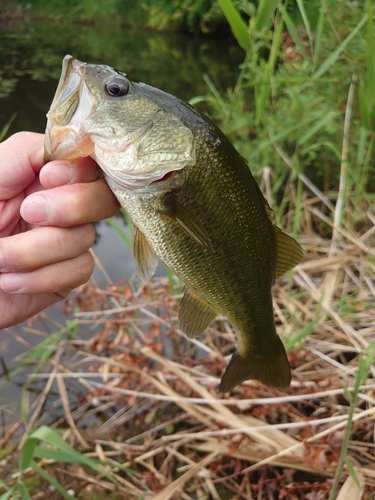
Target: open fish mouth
(72,105)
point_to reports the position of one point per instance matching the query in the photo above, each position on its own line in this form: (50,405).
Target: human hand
(45,225)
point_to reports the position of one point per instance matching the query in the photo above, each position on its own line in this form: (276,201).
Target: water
(30,65)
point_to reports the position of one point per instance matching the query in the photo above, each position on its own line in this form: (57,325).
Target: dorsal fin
(289,253)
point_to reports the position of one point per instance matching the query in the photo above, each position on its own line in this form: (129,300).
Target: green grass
(46,444)
(292,92)
(365,361)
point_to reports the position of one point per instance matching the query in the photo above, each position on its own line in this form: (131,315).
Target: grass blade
(319,31)
(23,491)
(6,495)
(237,24)
(27,453)
(52,481)
(305,20)
(318,125)
(293,32)
(263,98)
(364,110)
(330,61)
(5,129)
(119,231)
(51,437)
(353,486)
(265,10)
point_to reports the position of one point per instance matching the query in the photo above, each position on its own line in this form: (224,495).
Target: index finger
(21,160)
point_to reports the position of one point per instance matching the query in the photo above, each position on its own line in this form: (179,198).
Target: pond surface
(30,66)
(30,63)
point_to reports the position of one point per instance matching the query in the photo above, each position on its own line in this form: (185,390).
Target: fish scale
(193,202)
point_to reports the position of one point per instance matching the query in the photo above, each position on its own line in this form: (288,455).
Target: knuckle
(90,234)
(21,137)
(85,235)
(15,257)
(85,267)
(67,275)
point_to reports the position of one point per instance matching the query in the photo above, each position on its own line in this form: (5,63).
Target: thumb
(21,160)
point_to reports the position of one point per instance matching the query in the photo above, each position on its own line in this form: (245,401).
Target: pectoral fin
(289,253)
(188,222)
(195,314)
(271,369)
(144,256)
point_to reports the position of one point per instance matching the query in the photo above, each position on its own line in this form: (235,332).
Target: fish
(194,204)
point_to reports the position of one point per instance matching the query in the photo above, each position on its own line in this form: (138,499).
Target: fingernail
(10,282)
(35,209)
(2,261)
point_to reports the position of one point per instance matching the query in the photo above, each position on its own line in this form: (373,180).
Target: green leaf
(119,231)
(293,32)
(58,455)
(5,129)
(319,30)
(237,24)
(22,490)
(303,333)
(6,495)
(352,471)
(305,20)
(27,453)
(42,473)
(319,124)
(262,97)
(332,58)
(51,437)
(265,10)
(364,106)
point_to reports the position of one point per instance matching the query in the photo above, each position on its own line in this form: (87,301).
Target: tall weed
(292,93)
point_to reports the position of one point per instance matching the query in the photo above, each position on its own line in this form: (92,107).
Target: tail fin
(271,369)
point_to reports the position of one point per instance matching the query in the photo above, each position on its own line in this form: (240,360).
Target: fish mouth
(72,104)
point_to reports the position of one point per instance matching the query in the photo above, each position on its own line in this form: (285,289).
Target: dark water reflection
(30,65)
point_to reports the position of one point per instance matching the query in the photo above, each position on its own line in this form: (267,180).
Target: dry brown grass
(136,393)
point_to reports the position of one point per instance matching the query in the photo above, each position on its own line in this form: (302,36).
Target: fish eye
(117,87)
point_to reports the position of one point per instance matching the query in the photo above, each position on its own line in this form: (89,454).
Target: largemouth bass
(193,202)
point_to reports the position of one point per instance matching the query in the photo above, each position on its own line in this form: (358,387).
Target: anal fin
(144,256)
(195,314)
(271,369)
